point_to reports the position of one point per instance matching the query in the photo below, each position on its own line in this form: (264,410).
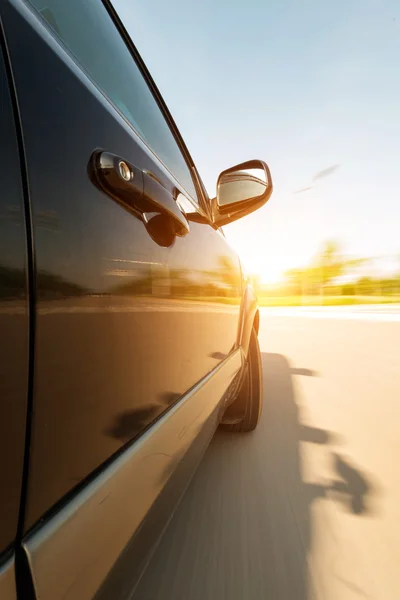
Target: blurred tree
(327,265)
(329,262)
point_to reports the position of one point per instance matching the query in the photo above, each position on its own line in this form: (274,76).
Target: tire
(245,412)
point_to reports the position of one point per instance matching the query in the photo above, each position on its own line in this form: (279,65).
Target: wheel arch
(250,317)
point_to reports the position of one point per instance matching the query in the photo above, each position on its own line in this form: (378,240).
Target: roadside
(357,312)
(326,300)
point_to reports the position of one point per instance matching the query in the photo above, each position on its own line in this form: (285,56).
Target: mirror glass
(241,185)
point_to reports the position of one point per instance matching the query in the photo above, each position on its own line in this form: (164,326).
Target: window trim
(202,203)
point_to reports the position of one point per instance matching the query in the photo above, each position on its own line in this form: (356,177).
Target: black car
(128,328)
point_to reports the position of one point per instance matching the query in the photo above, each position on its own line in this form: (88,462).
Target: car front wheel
(245,412)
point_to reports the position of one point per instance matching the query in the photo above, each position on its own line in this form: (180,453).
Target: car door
(14,333)
(137,303)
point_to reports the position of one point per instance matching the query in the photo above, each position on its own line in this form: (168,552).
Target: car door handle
(136,188)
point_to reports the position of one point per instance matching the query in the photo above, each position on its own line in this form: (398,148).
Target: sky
(310,86)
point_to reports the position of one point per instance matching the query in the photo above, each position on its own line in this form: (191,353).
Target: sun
(268,269)
(268,256)
(267,274)
(259,260)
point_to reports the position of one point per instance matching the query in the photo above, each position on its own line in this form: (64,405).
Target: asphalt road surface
(307,506)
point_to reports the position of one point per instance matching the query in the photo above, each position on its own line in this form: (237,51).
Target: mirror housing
(240,193)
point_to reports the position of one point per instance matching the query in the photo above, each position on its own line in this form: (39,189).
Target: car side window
(88,32)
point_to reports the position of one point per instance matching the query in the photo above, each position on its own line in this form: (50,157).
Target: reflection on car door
(129,326)
(14,335)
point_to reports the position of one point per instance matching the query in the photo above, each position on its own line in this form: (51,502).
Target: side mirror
(241,190)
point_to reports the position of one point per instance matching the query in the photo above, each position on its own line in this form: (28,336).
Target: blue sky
(302,84)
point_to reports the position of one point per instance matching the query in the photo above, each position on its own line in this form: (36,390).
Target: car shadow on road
(243,529)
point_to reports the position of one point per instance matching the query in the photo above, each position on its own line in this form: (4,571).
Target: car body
(125,316)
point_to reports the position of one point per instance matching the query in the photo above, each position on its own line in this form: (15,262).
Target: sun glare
(263,258)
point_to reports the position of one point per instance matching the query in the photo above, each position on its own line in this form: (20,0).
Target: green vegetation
(332,279)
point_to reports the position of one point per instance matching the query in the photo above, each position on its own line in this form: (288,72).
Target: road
(307,506)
